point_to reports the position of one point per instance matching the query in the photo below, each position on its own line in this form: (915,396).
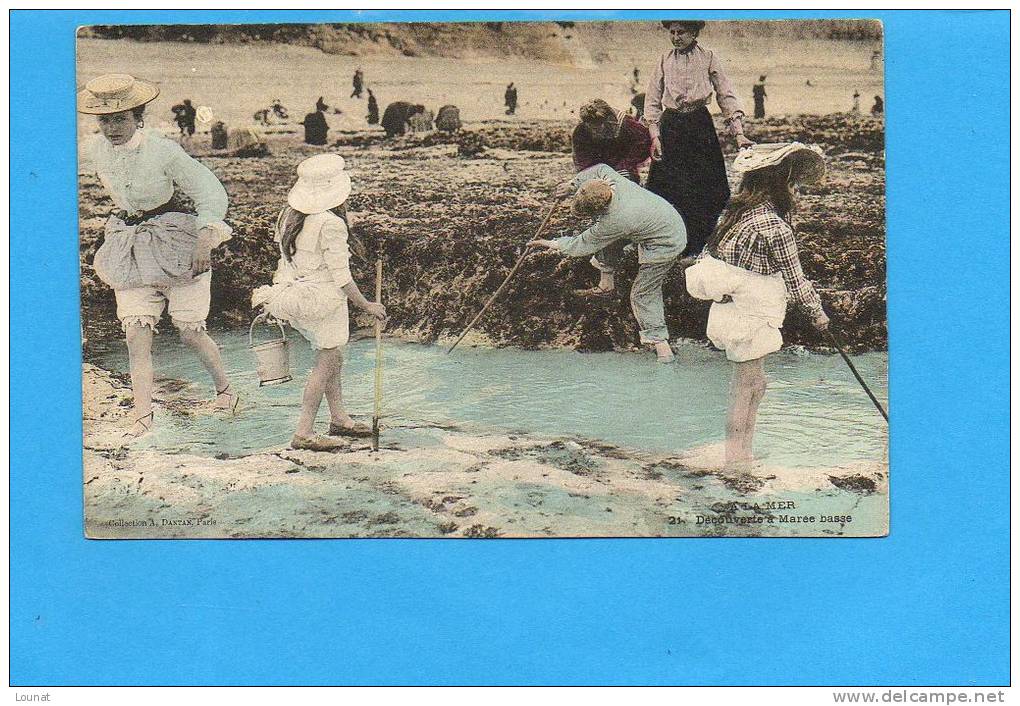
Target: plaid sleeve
(783,250)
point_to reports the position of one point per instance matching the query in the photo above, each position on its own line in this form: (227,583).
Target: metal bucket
(272,358)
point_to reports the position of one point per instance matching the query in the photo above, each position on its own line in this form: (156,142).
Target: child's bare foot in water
(664,352)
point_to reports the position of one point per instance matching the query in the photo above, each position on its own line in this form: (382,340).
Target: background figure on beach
(421,120)
(373,109)
(750,269)
(154,255)
(448,119)
(278,110)
(758,93)
(878,108)
(316,127)
(184,116)
(510,98)
(688,168)
(876,60)
(635,82)
(637,103)
(358,82)
(218,135)
(609,136)
(622,210)
(395,118)
(855,109)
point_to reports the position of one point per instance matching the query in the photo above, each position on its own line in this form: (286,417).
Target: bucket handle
(262,317)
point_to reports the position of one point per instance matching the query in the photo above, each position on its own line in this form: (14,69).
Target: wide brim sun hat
(322,184)
(204,114)
(806,162)
(115,93)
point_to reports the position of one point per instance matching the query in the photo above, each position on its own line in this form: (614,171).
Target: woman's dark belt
(686,112)
(133,218)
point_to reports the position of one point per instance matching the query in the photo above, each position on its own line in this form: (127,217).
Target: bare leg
(209,353)
(139,343)
(746,390)
(334,395)
(758,384)
(327,366)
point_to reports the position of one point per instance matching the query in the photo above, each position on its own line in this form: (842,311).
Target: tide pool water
(814,413)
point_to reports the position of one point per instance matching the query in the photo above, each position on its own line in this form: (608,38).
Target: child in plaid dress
(750,269)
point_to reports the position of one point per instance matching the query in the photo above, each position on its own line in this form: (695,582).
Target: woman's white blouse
(140,176)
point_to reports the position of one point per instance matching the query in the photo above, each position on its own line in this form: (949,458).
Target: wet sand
(454,484)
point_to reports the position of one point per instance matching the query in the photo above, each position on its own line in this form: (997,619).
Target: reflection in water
(814,413)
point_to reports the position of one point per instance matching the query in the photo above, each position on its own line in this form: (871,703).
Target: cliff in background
(578,43)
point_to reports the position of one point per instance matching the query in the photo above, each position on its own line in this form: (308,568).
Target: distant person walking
(184,116)
(510,99)
(758,92)
(856,108)
(688,168)
(358,82)
(878,108)
(373,109)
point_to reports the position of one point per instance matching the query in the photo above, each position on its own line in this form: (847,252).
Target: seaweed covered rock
(451,228)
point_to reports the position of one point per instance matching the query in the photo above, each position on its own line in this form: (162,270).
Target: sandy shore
(456,484)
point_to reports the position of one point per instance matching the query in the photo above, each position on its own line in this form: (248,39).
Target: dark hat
(696,25)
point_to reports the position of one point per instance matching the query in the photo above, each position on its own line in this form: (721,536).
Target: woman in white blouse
(154,254)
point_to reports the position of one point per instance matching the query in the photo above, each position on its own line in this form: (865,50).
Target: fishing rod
(377,408)
(513,271)
(846,358)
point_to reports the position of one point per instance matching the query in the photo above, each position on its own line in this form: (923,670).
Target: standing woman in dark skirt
(688,168)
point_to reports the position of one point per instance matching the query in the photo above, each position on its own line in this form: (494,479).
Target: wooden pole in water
(846,358)
(513,271)
(377,409)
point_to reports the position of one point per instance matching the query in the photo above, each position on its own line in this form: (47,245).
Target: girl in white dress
(311,290)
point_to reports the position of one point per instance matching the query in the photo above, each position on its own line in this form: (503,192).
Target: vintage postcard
(484,280)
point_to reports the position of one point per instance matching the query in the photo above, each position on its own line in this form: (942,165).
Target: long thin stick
(857,375)
(377,410)
(513,271)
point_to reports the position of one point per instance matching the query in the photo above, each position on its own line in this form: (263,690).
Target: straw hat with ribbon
(114,93)
(322,184)
(806,163)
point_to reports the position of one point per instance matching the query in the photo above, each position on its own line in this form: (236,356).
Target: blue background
(927,605)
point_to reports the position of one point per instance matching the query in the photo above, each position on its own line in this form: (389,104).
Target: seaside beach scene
(475,383)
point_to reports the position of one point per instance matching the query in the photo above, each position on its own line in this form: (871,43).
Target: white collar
(134,143)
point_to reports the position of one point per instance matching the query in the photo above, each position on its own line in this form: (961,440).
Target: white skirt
(318,310)
(747,326)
